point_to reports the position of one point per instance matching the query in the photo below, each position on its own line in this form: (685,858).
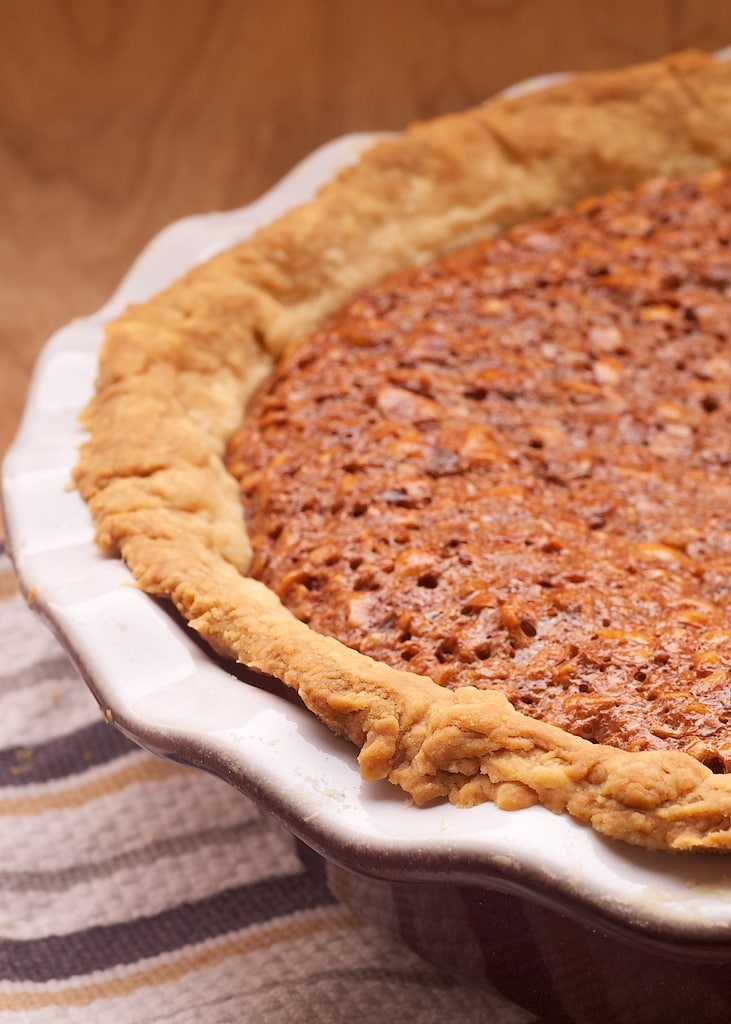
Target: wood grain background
(119,116)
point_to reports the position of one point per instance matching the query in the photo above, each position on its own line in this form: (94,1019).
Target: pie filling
(511,469)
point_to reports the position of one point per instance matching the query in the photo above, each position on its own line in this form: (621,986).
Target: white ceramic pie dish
(413,870)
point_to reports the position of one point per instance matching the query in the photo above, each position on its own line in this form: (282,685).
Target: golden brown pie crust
(176,371)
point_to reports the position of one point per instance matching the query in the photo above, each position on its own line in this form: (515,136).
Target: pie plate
(563,921)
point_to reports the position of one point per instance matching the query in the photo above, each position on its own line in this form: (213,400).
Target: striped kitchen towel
(137,891)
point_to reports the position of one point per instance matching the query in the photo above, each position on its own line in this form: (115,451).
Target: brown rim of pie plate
(166,691)
(408,862)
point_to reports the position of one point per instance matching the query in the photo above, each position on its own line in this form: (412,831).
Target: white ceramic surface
(153,679)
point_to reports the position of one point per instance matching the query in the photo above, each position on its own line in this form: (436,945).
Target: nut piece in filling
(510,469)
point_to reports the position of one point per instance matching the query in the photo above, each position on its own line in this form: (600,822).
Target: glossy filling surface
(511,469)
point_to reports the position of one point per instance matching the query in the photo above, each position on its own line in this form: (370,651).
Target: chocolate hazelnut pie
(448,451)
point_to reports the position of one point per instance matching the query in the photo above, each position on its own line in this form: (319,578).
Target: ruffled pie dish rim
(161,687)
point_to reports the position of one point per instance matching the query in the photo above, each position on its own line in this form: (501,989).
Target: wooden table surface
(119,116)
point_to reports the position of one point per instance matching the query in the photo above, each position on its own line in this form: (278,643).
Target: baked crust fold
(175,373)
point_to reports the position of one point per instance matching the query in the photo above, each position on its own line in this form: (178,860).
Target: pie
(509,468)
(566,574)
